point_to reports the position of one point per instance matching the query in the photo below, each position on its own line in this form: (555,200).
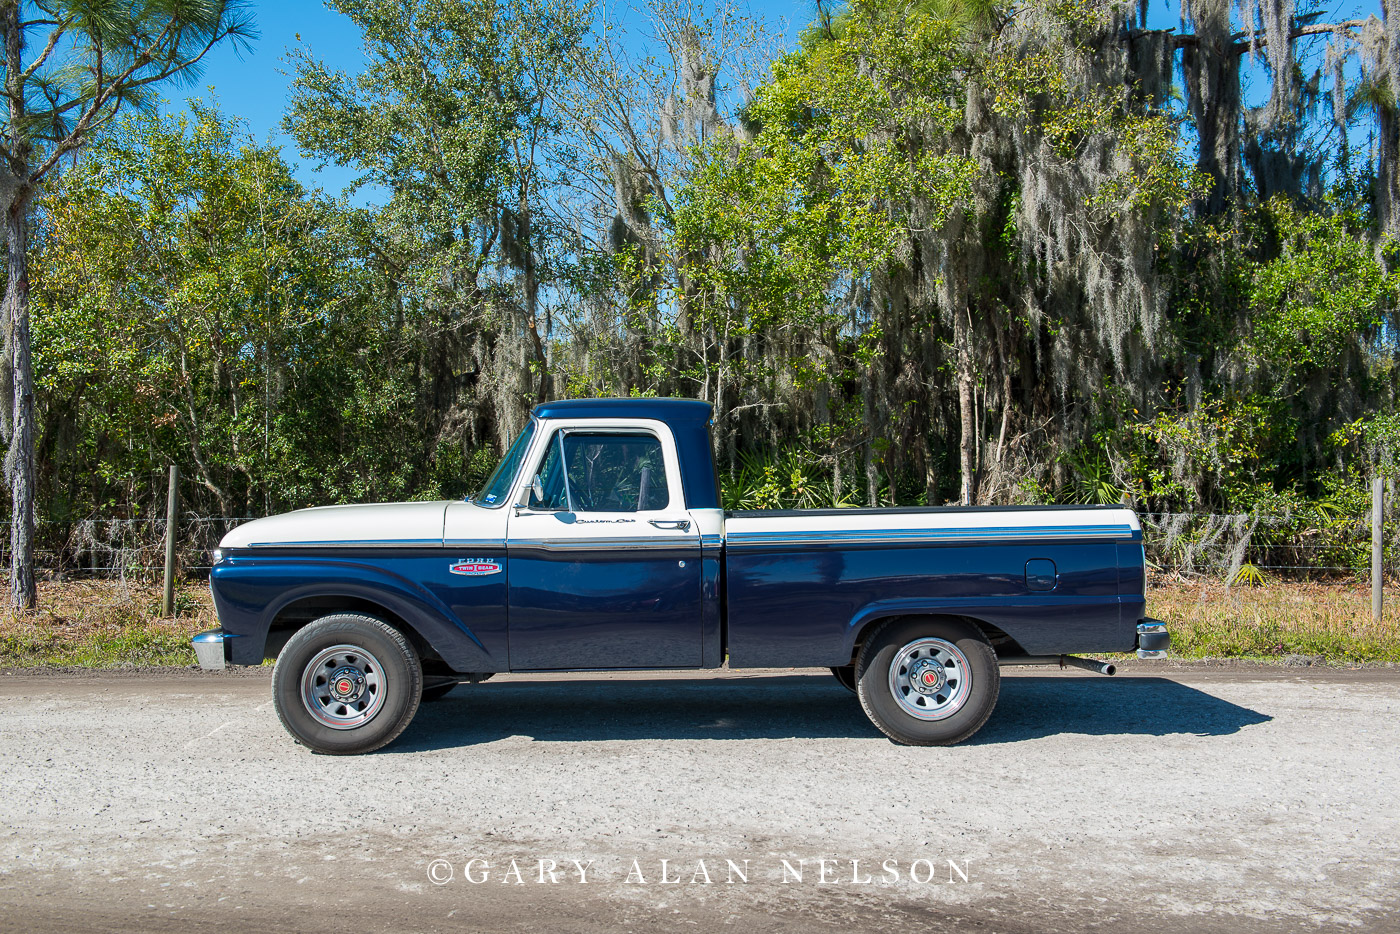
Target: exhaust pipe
(1064,661)
(1088,664)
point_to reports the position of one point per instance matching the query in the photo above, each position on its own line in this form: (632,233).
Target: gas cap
(1041,574)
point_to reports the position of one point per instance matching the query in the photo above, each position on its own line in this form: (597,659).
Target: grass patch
(104,624)
(1330,621)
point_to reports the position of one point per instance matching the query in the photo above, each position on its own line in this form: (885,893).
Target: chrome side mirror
(537,489)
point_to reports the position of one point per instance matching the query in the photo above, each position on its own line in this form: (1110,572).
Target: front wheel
(346,684)
(927,682)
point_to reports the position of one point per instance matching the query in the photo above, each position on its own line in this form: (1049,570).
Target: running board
(1064,661)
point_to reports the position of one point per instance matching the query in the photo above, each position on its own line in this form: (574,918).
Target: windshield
(497,487)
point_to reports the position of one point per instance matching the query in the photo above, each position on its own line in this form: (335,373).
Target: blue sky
(253,85)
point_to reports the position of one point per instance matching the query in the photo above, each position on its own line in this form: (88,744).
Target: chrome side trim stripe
(357,543)
(572,544)
(606,544)
(932,536)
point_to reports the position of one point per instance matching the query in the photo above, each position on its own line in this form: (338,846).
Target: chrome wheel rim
(930,679)
(343,687)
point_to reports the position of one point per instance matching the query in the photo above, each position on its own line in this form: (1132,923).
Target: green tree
(194,304)
(953,199)
(93,58)
(1317,302)
(453,119)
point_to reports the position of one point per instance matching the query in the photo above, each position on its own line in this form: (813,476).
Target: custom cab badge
(474,567)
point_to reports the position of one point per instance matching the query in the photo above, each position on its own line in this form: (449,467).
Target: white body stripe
(946,526)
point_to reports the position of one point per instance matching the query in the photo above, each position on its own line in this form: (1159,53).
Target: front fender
(251,590)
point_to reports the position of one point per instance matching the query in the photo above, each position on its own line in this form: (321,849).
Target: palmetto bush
(791,478)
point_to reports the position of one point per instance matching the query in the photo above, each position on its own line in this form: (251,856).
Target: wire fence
(1237,548)
(121,548)
(1251,547)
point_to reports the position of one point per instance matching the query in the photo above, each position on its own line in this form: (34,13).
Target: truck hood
(401,524)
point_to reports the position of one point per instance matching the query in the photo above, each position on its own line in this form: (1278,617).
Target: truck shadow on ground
(800,707)
(1035,707)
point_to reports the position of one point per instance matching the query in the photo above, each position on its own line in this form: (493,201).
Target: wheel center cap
(928,677)
(347,684)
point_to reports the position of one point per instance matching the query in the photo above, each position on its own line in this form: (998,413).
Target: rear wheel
(346,684)
(927,682)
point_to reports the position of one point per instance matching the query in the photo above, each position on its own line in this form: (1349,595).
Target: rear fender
(1039,627)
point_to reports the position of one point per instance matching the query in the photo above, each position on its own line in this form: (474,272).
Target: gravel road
(1165,801)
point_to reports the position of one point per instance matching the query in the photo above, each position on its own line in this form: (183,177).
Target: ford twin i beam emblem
(474,567)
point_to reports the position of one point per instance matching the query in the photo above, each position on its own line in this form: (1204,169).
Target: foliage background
(942,251)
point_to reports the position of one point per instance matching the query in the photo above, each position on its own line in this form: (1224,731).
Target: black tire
(846,674)
(963,680)
(377,661)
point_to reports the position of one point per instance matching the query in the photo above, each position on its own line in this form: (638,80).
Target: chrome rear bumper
(1153,640)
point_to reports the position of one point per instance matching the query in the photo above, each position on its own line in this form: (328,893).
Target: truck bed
(1042,580)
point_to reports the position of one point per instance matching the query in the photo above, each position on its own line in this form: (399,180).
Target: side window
(556,498)
(605,472)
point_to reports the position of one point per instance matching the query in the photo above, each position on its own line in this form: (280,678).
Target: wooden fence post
(172,514)
(1377,542)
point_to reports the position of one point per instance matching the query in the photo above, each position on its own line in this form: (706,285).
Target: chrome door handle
(679,525)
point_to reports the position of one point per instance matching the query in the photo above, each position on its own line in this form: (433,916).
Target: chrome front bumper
(211,649)
(1153,640)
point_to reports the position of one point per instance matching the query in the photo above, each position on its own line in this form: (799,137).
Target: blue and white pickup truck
(599,543)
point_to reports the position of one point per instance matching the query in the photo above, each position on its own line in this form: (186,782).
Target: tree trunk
(726,430)
(19,462)
(1004,357)
(1387,181)
(525,242)
(930,477)
(967,446)
(872,477)
(1211,72)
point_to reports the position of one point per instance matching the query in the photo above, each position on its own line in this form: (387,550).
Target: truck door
(604,559)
